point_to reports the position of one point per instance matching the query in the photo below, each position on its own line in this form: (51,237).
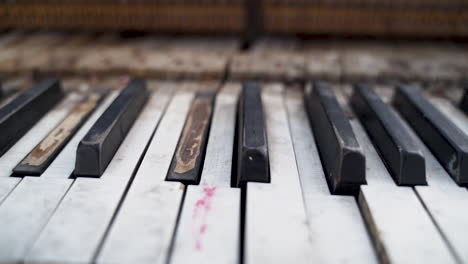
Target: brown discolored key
(37,161)
(187,162)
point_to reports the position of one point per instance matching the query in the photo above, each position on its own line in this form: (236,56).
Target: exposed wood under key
(45,152)
(188,160)
(396,146)
(28,107)
(98,147)
(200,228)
(87,209)
(341,155)
(252,151)
(446,141)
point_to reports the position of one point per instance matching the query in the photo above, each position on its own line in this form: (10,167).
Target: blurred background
(343,40)
(380,18)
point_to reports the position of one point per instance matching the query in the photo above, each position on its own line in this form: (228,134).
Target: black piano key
(99,145)
(400,153)
(447,142)
(188,159)
(252,151)
(464,102)
(341,155)
(37,161)
(19,115)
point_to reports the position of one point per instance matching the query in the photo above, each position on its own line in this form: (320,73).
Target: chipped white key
(143,229)
(16,153)
(77,226)
(276,228)
(28,208)
(330,216)
(402,229)
(211,210)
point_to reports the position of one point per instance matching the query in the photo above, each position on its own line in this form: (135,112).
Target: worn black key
(19,115)
(187,162)
(447,142)
(252,151)
(97,148)
(341,155)
(396,146)
(37,161)
(464,102)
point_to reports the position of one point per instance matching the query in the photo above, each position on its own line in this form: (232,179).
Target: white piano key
(444,200)
(401,228)
(34,200)
(77,227)
(211,210)
(457,116)
(276,227)
(329,216)
(7,184)
(446,203)
(143,229)
(18,151)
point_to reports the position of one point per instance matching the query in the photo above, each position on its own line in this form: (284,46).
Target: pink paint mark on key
(200,213)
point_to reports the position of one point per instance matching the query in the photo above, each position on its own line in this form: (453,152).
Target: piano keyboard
(252,172)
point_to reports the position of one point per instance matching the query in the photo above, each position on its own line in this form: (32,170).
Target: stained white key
(276,228)
(16,153)
(76,228)
(30,205)
(211,210)
(402,229)
(329,216)
(143,229)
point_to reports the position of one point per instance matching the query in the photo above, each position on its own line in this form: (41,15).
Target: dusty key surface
(446,141)
(31,138)
(276,227)
(402,230)
(86,211)
(188,160)
(211,210)
(329,216)
(151,206)
(252,150)
(340,152)
(34,200)
(403,158)
(37,161)
(98,147)
(28,107)
(445,201)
